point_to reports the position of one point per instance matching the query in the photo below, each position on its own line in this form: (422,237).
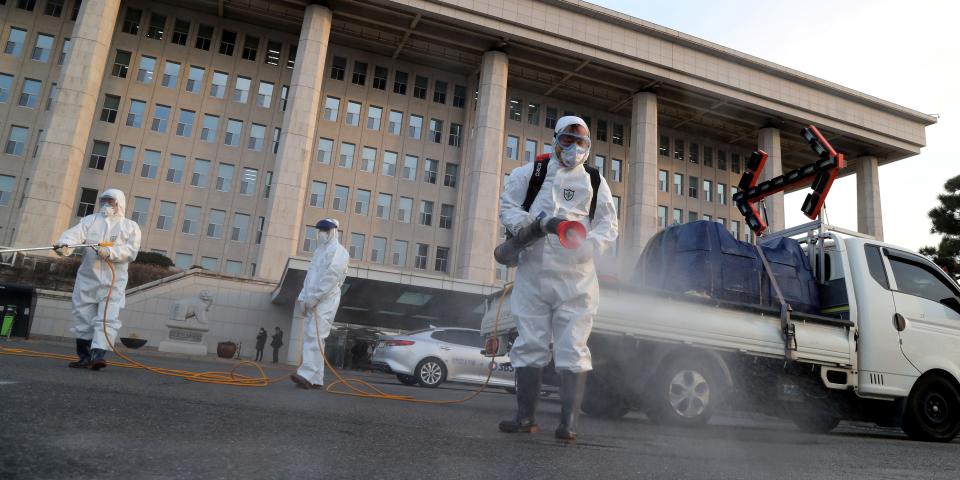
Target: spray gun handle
(105,244)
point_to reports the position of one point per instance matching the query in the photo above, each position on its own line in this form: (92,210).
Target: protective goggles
(566,139)
(108,201)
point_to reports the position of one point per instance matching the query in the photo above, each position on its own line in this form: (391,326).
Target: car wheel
(933,410)
(407,379)
(685,393)
(603,399)
(430,372)
(814,421)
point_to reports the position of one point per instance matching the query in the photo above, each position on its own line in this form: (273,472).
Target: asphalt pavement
(58,423)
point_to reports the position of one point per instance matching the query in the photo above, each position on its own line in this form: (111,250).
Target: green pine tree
(946,221)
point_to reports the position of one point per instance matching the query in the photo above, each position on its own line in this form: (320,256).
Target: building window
(430,170)
(98,156)
(446,216)
(151,163)
(678,152)
(450,175)
(678,184)
(374,114)
(423,253)
(283,98)
(204,37)
(125,160)
(692,187)
(529,150)
(185,123)
(694,153)
(183,261)
(384,204)
(232,135)
(420,87)
(331,109)
(664,148)
(692,216)
(617,134)
(721,194)
(241,89)
(181,30)
(261,224)
(175,167)
(42,49)
(661,216)
(53,8)
(443,253)
(111,104)
(399,253)
(146,69)
(707,217)
(52,96)
(380,77)
(662,181)
(721,160)
(436,131)
(440,92)
(415,127)
(233,267)
(276,140)
(734,163)
(257,134)
(268,184)
(356,245)
(459,96)
(191,220)
(228,40)
(211,124)
(456,135)
(707,190)
(361,202)
(161,115)
(359,73)
(201,173)
(393,125)
(347,151)
(88,202)
(353,113)
(195,79)
(318,194)
(210,263)
(389,167)
(64,51)
(141,210)
(165,215)
(131,21)
(248,182)
(218,84)
(513,144)
(404,209)
(292,57)
(340,195)
(410,167)
(157,25)
(601,130)
(224,177)
(324,151)
(426,212)
(514,108)
(30,95)
(121,64)
(75,12)
(379,250)
(735,229)
(677,216)
(551,118)
(250,46)
(265,94)
(6,86)
(707,156)
(368,159)
(273,53)
(15,41)
(338,68)
(616,170)
(400,82)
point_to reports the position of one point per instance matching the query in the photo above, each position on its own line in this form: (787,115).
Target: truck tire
(933,410)
(685,392)
(814,422)
(603,399)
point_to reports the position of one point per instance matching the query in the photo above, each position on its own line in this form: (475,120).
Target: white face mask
(107,210)
(572,155)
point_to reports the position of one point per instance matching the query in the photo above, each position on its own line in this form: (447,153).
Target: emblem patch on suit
(568,194)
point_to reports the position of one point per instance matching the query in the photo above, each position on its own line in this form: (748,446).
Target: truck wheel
(603,399)
(814,422)
(407,379)
(685,393)
(933,410)
(430,372)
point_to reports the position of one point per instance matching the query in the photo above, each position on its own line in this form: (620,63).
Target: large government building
(234,125)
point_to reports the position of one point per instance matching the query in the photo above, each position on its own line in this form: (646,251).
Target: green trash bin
(6,326)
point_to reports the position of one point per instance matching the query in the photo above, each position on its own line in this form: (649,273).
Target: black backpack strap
(536,180)
(595,183)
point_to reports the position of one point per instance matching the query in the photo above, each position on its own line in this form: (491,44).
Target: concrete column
(51,199)
(641,213)
(482,180)
(769,140)
(284,220)
(869,216)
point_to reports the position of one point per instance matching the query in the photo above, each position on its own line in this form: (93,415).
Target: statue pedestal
(185,338)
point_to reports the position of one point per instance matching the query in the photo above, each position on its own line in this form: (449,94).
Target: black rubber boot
(572,386)
(83,354)
(98,362)
(529,380)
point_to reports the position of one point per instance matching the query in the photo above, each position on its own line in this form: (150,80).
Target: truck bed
(708,323)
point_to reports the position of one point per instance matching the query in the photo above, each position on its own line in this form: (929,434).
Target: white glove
(61,250)
(104,253)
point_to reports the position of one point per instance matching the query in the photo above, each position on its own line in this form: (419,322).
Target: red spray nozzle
(571,234)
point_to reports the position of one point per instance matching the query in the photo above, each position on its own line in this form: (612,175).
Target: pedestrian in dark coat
(276,341)
(261,342)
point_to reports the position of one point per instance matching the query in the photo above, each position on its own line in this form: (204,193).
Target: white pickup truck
(885,346)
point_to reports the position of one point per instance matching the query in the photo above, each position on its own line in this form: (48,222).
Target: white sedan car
(436,355)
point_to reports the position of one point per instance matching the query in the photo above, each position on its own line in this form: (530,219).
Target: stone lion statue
(192,309)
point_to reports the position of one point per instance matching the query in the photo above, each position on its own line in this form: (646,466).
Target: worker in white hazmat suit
(556,292)
(319,300)
(94,277)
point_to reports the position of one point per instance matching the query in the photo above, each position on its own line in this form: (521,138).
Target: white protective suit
(320,299)
(556,292)
(94,278)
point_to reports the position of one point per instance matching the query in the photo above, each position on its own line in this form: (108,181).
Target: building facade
(233,126)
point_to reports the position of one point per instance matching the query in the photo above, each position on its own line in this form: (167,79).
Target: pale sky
(906,52)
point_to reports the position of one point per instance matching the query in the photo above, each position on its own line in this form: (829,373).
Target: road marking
(7,382)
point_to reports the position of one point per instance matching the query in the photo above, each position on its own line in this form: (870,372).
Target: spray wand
(54,247)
